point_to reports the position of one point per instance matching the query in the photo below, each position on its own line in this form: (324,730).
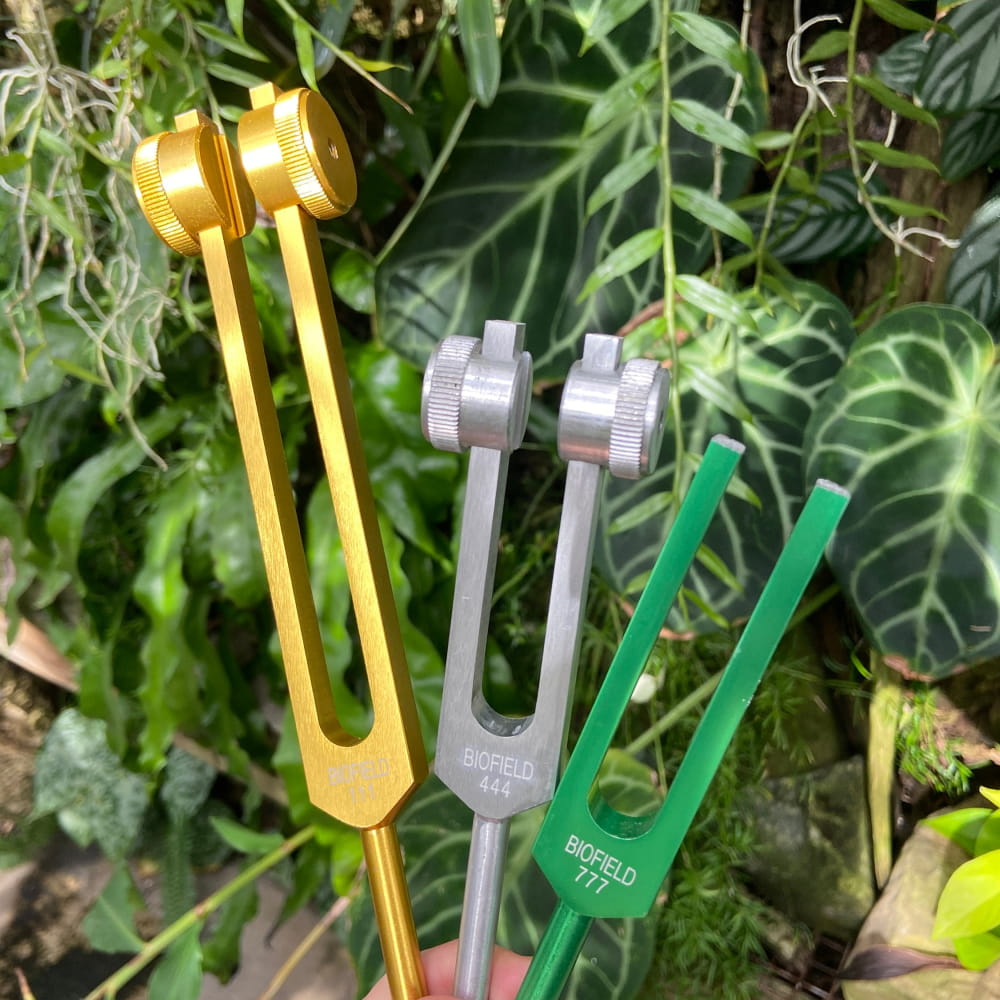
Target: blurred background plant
(755,196)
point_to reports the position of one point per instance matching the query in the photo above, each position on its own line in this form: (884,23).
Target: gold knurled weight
(295,153)
(190,181)
(156,207)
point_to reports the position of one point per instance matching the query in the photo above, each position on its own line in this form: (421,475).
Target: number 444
(496,787)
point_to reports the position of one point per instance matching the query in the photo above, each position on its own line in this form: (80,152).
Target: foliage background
(757,215)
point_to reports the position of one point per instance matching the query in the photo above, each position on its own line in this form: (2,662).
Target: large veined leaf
(504,232)
(821,225)
(962,70)
(974,274)
(758,386)
(435,832)
(900,65)
(910,427)
(971,141)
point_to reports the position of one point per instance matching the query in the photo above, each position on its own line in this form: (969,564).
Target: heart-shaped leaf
(435,832)
(502,233)
(910,428)
(758,386)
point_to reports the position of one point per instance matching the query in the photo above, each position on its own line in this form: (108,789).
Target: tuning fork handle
(556,954)
(481,907)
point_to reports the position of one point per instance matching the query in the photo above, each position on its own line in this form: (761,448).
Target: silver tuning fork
(476,396)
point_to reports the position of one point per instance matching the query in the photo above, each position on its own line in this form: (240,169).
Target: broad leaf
(178,974)
(502,233)
(244,840)
(899,67)
(960,825)
(970,900)
(221,950)
(83,782)
(974,274)
(435,832)
(827,224)
(110,924)
(962,70)
(971,141)
(978,951)
(758,385)
(910,428)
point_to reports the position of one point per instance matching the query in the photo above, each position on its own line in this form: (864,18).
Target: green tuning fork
(603,863)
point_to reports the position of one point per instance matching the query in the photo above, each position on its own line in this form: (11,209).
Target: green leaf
(712,212)
(232,74)
(978,951)
(960,825)
(827,224)
(9,162)
(991,795)
(907,209)
(231,43)
(246,841)
(651,506)
(234,11)
(110,924)
(477,28)
(623,177)
(962,69)
(768,140)
(502,232)
(624,259)
(80,492)
(901,15)
(620,98)
(713,300)
(178,975)
(221,950)
(435,829)
(891,100)
(599,18)
(186,784)
(988,838)
(890,157)
(353,279)
(708,124)
(970,900)
(304,51)
(900,65)
(775,370)
(973,281)
(711,37)
(78,778)
(827,46)
(909,428)
(971,141)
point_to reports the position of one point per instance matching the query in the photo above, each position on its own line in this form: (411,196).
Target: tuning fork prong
(603,863)
(611,416)
(196,194)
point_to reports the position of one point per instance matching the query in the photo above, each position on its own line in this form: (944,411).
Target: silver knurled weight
(476,393)
(613,416)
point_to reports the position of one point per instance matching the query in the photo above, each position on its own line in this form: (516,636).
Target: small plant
(968,911)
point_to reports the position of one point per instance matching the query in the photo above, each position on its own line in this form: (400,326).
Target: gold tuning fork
(198,195)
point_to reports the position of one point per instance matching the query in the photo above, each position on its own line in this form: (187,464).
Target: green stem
(695,698)
(194,916)
(435,172)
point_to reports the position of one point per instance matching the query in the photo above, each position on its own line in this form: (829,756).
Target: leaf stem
(665,722)
(157,945)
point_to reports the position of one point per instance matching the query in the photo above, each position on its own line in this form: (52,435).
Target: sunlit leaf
(959,825)
(970,900)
